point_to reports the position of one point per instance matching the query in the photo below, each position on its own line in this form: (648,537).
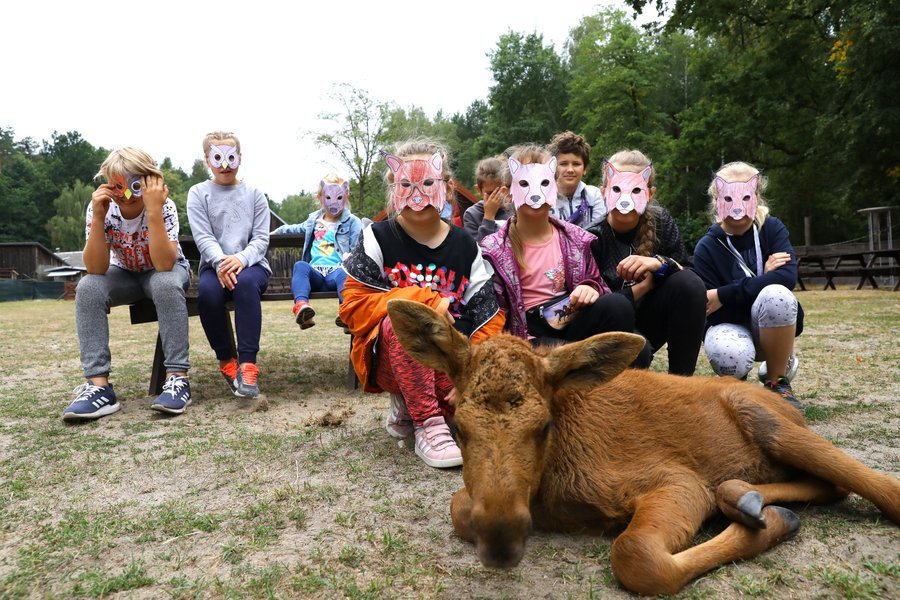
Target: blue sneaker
(175,396)
(91,402)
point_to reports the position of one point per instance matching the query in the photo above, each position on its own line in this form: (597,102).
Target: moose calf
(567,439)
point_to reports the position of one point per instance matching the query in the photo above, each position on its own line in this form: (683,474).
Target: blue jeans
(251,284)
(306,279)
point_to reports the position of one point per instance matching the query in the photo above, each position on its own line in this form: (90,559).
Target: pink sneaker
(304,314)
(436,446)
(398,422)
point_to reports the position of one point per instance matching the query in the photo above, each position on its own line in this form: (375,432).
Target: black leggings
(675,313)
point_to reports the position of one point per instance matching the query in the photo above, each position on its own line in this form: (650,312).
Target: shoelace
(781,387)
(230,370)
(83,391)
(249,373)
(174,384)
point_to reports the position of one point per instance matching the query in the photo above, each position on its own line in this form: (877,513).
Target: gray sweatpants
(97,293)
(732,348)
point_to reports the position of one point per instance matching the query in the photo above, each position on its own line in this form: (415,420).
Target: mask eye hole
(136,186)
(428,182)
(405,184)
(747,198)
(727,198)
(341,197)
(545,183)
(523,183)
(616,189)
(636,191)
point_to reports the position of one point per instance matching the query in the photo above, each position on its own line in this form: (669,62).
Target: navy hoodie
(719,269)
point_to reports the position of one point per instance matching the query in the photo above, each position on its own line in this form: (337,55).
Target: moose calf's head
(506,402)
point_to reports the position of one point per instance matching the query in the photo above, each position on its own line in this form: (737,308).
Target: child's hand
(154,192)
(101,198)
(583,295)
(443,308)
(776,260)
(451,397)
(494,202)
(634,267)
(712,302)
(227,271)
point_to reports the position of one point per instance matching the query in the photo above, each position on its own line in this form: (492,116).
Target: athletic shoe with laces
(789,372)
(229,372)
(782,387)
(340,323)
(398,423)
(304,314)
(436,446)
(247,385)
(175,396)
(91,402)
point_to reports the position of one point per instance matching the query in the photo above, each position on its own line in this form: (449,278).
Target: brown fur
(565,439)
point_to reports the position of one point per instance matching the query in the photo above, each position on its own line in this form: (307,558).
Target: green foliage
(296,207)
(66,227)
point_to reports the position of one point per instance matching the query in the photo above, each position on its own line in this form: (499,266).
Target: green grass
(304,495)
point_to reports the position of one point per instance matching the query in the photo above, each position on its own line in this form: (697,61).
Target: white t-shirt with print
(129,239)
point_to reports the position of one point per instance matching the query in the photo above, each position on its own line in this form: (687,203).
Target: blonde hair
(526,154)
(740,171)
(332,179)
(494,168)
(646,225)
(418,147)
(128,161)
(220,135)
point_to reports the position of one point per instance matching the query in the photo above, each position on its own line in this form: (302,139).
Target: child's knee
(730,350)
(92,290)
(776,306)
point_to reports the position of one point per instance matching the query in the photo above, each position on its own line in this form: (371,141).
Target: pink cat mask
(533,184)
(736,199)
(220,156)
(417,183)
(626,190)
(334,196)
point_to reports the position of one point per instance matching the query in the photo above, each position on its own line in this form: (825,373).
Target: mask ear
(345,187)
(720,184)
(552,165)
(593,361)
(754,181)
(428,337)
(645,174)
(321,185)
(513,165)
(610,170)
(393,162)
(437,162)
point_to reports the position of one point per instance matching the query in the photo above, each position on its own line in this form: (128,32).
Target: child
(416,256)
(492,184)
(747,263)
(578,203)
(331,234)
(640,255)
(230,222)
(540,261)
(131,253)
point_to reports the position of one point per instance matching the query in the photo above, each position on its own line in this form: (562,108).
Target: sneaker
(175,396)
(91,402)
(398,422)
(304,314)
(782,387)
(793,364)
(229,372)
(436,446)
(341,324)
(247,386)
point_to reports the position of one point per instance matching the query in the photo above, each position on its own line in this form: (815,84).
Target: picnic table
(866,265)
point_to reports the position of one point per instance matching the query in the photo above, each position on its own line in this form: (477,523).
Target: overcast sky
(160,74)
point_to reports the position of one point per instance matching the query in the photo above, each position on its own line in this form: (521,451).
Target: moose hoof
(788,521)
(749,512)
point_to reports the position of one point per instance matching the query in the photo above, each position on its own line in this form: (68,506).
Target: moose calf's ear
(428,337)
(593,361)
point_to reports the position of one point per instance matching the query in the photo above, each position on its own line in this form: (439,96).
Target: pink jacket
(578,262)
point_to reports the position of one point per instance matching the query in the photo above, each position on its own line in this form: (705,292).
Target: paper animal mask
(627,191)
(736,199)
(533,184)
(131,185)
(417,183)
(334,196)
(224,156)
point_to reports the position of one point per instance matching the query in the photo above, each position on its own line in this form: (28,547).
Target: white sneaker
(792,366)
(398,423)
(436,446)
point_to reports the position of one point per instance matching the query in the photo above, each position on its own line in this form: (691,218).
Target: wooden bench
(864,265)
(279,289)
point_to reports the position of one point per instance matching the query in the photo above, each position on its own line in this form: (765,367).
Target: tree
(66,227)
(357,135)
(529,95)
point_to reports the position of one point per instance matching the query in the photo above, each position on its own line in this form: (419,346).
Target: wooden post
(807,231)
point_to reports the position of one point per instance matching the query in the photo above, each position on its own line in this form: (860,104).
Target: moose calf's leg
(664,521)
(461,515)
(743,502)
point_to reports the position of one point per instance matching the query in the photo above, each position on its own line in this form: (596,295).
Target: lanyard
(737,255)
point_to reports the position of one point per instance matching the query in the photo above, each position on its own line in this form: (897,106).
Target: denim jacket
(345,237)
